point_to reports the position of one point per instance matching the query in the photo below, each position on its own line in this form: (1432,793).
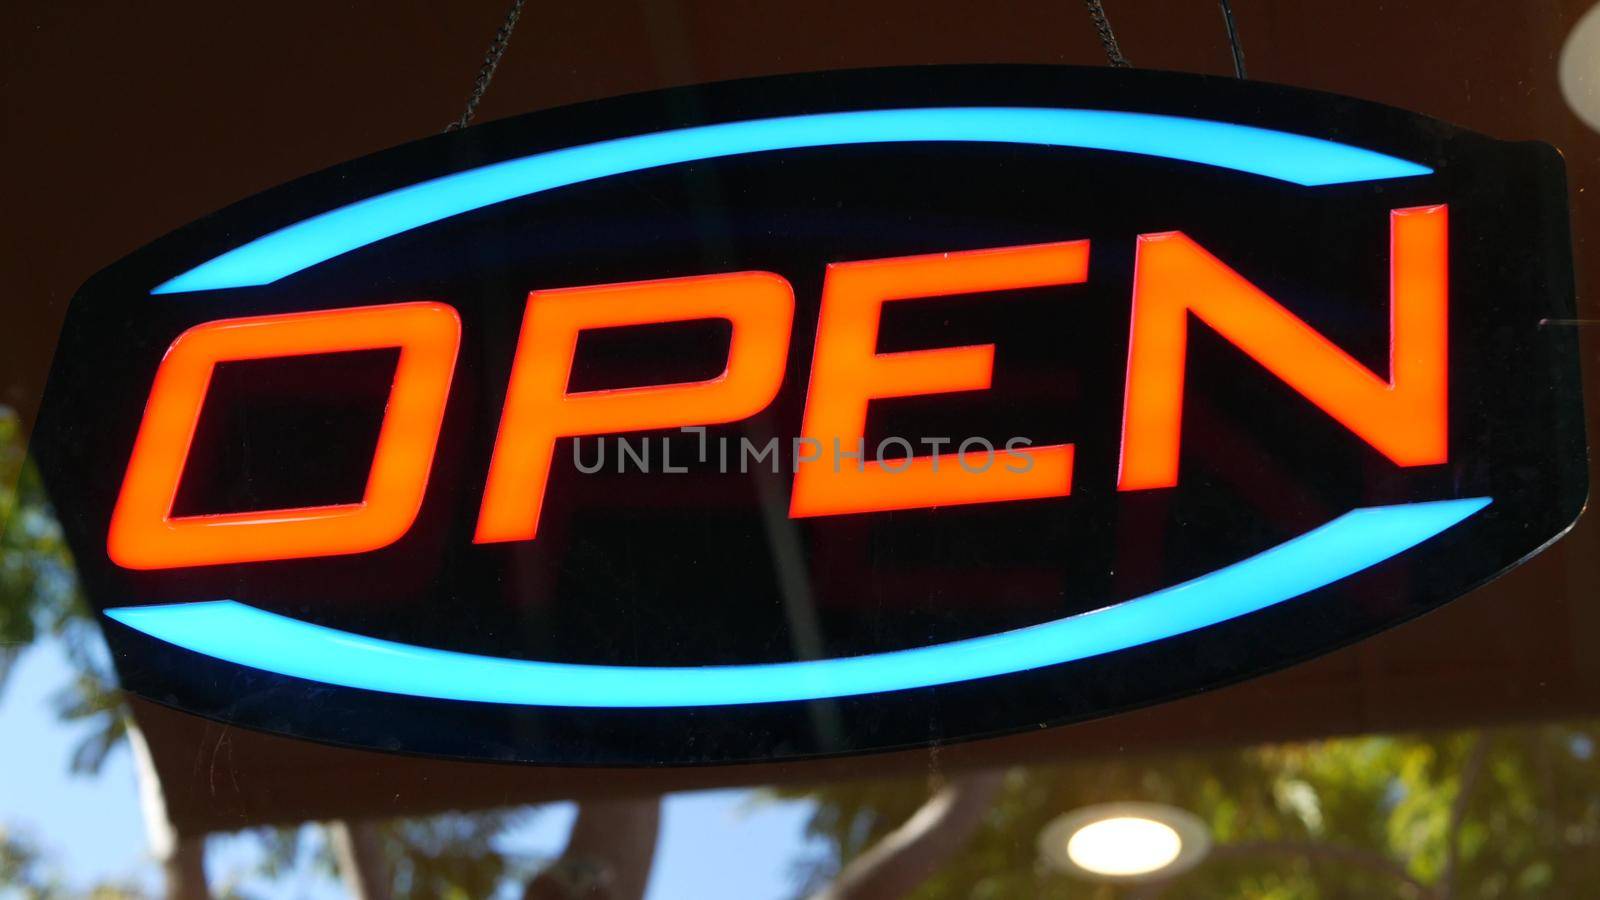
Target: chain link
(1234,43)
(491,60)
(1108,38)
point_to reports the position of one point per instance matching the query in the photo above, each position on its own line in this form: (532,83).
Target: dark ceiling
(124,121)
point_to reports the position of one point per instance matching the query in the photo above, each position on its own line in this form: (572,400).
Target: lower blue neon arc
(1281,155)
(241,634)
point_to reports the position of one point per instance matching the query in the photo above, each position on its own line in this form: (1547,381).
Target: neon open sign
(1404,416)
(1078,377)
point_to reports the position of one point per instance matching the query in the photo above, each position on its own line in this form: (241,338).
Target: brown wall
(123,121)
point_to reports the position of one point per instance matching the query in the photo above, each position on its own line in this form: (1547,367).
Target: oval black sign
(818,414)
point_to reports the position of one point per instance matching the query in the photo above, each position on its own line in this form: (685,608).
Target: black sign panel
(818,414)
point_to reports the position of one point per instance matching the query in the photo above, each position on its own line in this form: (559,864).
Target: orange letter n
(539,410)
(1405,418)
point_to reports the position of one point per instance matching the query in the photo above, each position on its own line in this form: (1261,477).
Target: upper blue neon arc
(1289,157)
(252,637)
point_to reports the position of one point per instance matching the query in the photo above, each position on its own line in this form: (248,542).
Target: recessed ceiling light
(1580,68)
(1125,842)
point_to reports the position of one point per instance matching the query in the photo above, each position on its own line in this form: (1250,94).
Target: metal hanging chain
(1097,15)
(1233,40)
(1108,39)
(497,49)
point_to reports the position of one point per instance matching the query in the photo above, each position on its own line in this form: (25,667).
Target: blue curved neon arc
(241,634)
(1289,157)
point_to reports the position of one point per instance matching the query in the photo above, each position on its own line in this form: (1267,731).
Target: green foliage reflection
(1507,813)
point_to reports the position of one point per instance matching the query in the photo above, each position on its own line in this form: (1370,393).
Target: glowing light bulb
(1125,842)
(1124,845)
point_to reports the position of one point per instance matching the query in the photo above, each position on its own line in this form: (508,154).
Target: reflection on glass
(1505,812)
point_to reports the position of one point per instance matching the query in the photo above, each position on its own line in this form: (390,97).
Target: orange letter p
(539,410)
